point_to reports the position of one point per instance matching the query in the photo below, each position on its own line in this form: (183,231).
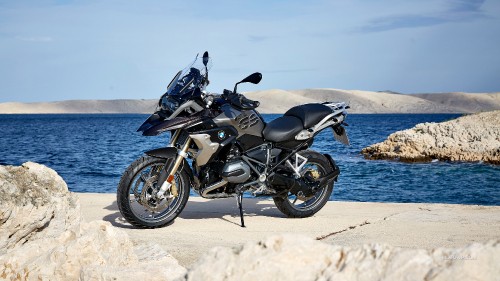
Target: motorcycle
(220,146)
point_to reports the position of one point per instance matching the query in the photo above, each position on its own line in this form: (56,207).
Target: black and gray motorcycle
(221,147)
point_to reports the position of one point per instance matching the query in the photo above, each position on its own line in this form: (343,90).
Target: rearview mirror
(252,78)
(205,58)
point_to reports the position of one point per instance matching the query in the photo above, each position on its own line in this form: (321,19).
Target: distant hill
(466,102)
(279,101)
(81,106)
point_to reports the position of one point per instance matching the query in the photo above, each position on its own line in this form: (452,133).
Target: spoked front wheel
(299,205)
(136,195)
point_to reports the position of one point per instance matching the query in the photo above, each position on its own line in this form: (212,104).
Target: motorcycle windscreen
(152,121)
(340,134)
(189,78)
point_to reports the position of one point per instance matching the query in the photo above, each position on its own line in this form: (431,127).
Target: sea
(91,151)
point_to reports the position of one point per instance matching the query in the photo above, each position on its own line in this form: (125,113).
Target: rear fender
(332,164)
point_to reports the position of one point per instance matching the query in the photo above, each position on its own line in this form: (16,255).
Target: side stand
(239,198)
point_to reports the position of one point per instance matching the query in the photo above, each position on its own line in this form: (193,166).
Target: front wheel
(136,194)
(296,206)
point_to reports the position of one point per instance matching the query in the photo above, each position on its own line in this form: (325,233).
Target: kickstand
(239,198)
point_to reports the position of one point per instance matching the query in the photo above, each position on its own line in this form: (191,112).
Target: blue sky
(64,49)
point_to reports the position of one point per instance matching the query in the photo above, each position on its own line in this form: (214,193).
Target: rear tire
(308,206)
(138,182)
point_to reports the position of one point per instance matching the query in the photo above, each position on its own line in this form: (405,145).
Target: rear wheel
(136,195)
(296,206)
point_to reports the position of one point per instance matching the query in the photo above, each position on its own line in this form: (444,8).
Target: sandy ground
(207,223)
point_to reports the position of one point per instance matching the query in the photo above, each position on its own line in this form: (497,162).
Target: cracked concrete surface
(340,231)
(208,223)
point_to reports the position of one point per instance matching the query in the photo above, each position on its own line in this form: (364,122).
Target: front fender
(153,120)
(164,152)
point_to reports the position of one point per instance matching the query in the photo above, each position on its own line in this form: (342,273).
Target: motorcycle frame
(306,136)
(182,153)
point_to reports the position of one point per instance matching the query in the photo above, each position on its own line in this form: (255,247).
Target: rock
(469,138)
(290,257)
(32,198)
(43,236)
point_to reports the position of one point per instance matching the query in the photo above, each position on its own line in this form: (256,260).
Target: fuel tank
(248,123)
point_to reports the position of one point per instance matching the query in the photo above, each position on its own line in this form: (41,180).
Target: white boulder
(291,257)
(43,236)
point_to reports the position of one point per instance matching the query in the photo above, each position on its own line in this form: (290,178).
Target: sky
(54,50)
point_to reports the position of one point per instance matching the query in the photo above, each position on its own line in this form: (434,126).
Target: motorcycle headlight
(169,104)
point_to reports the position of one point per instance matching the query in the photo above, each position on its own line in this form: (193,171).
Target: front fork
(166,178)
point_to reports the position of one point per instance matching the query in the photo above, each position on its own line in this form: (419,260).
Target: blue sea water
(91,151)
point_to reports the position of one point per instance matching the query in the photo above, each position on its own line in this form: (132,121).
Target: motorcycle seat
(310,114)
(282,129)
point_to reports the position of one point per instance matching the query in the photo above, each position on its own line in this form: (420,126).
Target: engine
(236,171)
(218,178)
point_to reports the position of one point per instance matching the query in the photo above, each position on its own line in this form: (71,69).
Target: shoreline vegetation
(279,101)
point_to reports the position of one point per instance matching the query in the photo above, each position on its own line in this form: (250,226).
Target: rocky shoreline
(292,257)
(43,236)
(470,138)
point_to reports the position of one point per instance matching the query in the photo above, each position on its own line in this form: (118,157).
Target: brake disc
(148,198)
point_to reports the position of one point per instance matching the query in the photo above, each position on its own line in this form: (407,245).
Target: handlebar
(238,100)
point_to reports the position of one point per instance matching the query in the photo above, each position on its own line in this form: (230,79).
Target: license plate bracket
(340,134)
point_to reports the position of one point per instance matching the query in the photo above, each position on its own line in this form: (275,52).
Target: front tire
(294,206)
(137,185)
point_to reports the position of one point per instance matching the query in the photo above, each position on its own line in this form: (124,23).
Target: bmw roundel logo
(221,135)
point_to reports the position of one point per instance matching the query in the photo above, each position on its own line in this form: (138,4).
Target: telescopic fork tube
(181,154)
(174,138)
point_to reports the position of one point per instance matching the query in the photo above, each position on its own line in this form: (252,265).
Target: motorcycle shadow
(197,208)
(218,208)
(116,218)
